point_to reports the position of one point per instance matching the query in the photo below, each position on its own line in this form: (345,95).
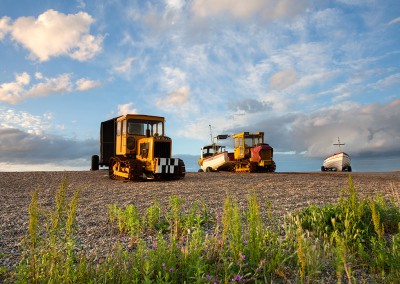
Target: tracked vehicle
(251,154)
(135,147)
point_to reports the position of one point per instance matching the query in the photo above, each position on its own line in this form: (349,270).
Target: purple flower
(208,277)
(171,270)
(245,243)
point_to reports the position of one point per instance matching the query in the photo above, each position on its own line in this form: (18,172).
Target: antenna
(339,144)
(211,137)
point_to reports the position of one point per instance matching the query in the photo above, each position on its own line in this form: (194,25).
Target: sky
(303,71)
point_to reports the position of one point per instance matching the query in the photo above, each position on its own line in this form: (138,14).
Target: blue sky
(304,72)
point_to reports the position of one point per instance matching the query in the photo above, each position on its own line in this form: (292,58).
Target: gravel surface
(286,192)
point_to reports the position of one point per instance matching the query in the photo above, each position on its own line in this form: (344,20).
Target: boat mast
(211,138)
(339,144)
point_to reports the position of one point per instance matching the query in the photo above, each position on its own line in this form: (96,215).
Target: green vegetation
(352,241)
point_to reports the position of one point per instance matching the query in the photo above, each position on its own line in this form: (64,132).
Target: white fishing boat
(215,157)
(339,161)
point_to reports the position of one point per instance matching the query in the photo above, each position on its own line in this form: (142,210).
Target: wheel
(209,169)
(200,170)
(95,163)
(181,169)
(323,169)
(111,166)
(273,167)
(349,168)
(252,167)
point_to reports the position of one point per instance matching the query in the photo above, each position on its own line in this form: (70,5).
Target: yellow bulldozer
(135,147)
(251,154)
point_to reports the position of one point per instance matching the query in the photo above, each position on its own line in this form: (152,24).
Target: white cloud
(255,74)
(50,86)
(198,128)
(86,84)
(125,66)
(175,4)
(173,78)
(12,92)
(81,5)
(54,34)
(127,109)
(38,75)
(19,90)
(175,101)
(48,115)
(283,79)
(10,118)
(4,27)
(389,81)
(245,9)
(394,21)
(87,47)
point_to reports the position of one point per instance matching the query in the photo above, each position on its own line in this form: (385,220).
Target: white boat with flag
(339,161)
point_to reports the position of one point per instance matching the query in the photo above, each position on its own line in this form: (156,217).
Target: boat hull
(337,162)
(216,162)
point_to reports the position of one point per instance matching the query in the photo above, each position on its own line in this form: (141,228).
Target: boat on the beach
(215,157)
(339,161)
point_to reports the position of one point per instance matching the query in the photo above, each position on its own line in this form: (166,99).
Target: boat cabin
(210,150)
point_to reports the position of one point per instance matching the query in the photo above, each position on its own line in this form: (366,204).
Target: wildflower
(208,277)
(245,243)
(128,265)
(171,270)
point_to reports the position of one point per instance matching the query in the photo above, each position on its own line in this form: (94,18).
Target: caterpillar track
(125,169)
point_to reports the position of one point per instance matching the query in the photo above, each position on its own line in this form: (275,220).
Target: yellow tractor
(252,154)
(135,147)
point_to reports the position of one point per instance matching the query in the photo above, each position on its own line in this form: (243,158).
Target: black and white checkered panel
(166,165)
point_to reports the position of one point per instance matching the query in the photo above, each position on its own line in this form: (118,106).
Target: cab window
(136,127)
(124,127)
(119,128)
